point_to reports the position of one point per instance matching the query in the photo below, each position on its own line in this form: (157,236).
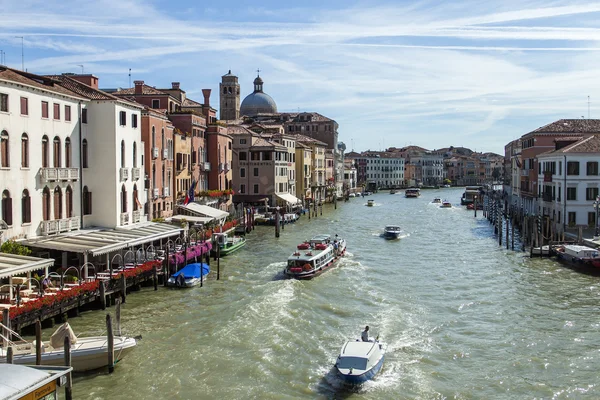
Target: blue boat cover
(193,270)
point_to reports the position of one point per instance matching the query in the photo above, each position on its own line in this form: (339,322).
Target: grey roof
(258,103)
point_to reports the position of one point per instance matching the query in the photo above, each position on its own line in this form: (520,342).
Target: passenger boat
(360,361)
(446,204)
(87,353)
(370,203)
(392,232)
(470,194)
(437,200)
(578,256)
(227,245)
(189,276)
(412,192)
(315,256)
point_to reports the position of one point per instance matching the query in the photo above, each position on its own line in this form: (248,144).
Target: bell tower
(229,94)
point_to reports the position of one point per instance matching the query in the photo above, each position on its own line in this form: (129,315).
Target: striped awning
(12,264)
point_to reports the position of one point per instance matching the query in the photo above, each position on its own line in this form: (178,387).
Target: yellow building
(303,171)
(318,181)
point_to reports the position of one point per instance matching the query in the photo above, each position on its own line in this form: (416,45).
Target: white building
(570,184)
(432,167)
(384,169)
(350,177)
(40,137)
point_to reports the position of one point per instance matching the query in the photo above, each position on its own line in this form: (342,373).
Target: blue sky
(429,73)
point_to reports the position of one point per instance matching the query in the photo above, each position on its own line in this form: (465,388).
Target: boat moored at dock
(578,256)
(360,361)
(189,276)
(315,256)
(227,244)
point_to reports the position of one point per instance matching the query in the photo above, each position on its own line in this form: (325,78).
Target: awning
(208,211)
(102,241)
(191,218)
(12,264)
(290,198)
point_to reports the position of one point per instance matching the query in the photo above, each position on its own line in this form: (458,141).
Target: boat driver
(365,334)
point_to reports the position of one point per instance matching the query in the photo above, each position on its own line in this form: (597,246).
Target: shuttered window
(24,106)
(44,109)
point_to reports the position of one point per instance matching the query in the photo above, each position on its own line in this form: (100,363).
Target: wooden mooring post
(5,331)
(9,355)
(38,342)
(123,287)
(69,385)
(277,224)
(102,295)
(118,317)
(218,263)
(111,344)
(155,277)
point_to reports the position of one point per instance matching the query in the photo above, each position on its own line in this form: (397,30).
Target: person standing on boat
(365,334)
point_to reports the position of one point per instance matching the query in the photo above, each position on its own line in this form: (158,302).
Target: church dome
(258,102)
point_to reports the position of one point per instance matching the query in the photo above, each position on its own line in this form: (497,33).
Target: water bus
(315,256)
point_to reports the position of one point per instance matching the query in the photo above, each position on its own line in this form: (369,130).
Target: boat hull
(228,249)
(364,377)
(316,272)
(579,263)
(391,235)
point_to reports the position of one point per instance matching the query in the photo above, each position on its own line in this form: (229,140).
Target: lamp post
(597,207)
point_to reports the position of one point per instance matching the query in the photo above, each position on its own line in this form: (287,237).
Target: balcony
(154,153)
(205,166)
(136,216)
(135,174)
(166,192)
(165,154)
(291,181)
(59,225)
(155,192)
(123,174)
(124,218)
(524,172)
(59,174)
(221,167)
(227,166)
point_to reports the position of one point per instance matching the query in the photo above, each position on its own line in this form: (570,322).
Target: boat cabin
(581,251)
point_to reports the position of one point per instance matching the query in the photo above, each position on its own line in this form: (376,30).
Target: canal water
(463,318)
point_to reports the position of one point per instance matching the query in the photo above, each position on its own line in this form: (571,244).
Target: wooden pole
(118,318)
(123,287)
(166,267)
(102,295)
(69,385)
(155,277)
(9,355)
(475,208)
(512,228)
(6,323)
(111,344)
(38,342)
(276,224)
(507,230)
(218,263)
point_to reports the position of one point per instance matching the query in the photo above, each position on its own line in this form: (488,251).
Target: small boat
(578,256)
(412,192)
(227,245)
(446,204)
(314,257)
(437,200)
(392,232)
(360,361)
(370,203)
(189,276)
(87,353)
(392,191)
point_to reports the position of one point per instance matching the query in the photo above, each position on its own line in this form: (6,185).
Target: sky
(434,74)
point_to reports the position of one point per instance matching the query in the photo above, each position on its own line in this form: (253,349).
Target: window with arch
(25,207)
(84,153)
(56,151)
(46,204)
(4,160)
(153,137)
(162,140)
(168,183)
(224,90)
(123,199)
(24,151)
(134,155)
(45,155)
(57,203)
(135,198)
(7,208)
(68,153)
(87,201)
(163,176)
(69,202)
(122,154)
(153,176)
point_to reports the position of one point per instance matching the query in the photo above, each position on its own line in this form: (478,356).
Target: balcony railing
(59,225)
(165,154)
(221,167)
(136,216)
(227,166)
(154,153)
(166,192)
(124,174)
(60,174)
(135,174)
(291,181)
(205,166)
(155,192)
(124,218)
(524,172)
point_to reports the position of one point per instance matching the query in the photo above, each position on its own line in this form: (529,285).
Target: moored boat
(189,276)
(315,256)
(578,256)
(227,244)
(360,361)
(392,232)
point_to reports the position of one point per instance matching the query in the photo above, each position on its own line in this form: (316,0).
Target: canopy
(193,270)
(208,211)
(191,218)
(12,264)
(290,198)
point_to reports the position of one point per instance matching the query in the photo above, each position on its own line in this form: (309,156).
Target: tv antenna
(588,107)
(129,77)
(81,65)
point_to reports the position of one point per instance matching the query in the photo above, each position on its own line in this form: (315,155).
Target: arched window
(57,203)
(122,154)
(123,199)
(68,153)
(84,153)
(46,204)
(24,151)
(162,140)
(7,208)
(69,201)
(168,183)
(163,177)
(134,155)
(25,207)
(135,199)
(4,160)
(153,176)
(224,90)
(153,137)
(56,151)
(87,201)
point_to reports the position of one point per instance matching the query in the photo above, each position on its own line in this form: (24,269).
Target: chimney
(175,85)
(89,80)
(206,93)
(139,87)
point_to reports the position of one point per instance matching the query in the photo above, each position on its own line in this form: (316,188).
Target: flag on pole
(189,197)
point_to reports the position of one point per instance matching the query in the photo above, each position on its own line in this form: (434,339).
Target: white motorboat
(315,256)
(392,232)
(437,200)
(87,353)
(360,361)
(189,276)
(446,204)
(370,203)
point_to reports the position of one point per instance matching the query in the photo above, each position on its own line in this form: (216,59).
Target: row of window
(24,108)
(56,150)
(7,209)
(123,119)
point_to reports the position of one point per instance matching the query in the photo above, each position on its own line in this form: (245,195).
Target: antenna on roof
(129,77)
(588,107)
(80,65)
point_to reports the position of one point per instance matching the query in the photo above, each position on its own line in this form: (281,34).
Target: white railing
(165,154)
(135,174)
(291,181)
(59,225)
(205,166)
(166,192)
(154,153)
(155,192)
(136,215)
(62,174)
(124,174)
(227,166)
(124,218)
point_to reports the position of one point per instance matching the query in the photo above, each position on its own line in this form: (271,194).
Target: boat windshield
(297,263)
(352,362)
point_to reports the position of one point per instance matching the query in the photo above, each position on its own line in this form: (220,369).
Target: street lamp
(597,207)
